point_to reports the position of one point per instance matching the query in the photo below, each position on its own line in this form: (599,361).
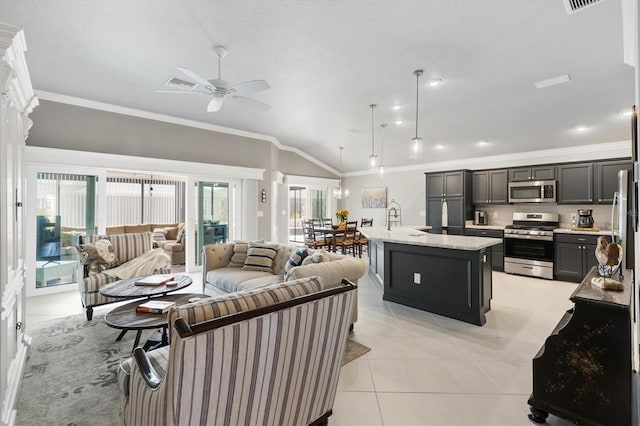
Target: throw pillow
(89,256)
(160,234)
(172,233)
(180,236)
(317,257)
(260,257)
(105,250)
(240,253)
(296,259)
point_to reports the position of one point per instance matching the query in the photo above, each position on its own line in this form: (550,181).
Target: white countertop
(571,231)
(408,235)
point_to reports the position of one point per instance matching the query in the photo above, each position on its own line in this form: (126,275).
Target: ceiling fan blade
(251,103)
(180,91)
(195,77)
(250,86)
(215,104)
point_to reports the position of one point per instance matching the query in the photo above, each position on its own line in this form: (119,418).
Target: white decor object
(417,145)
(17,100)
(340,193)
(381,168)
(373,158)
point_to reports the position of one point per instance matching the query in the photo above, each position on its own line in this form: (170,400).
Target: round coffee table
(126,317)
(127,288)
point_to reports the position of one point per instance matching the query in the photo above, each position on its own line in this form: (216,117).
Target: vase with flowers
(342,216)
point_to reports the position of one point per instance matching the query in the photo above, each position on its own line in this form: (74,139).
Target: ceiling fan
(221,90)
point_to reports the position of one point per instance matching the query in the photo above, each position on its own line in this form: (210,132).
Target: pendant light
(381,168)
(373,158)
(339,193)
(416,143)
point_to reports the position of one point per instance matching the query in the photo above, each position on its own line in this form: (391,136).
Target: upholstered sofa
(265,356)
(126,248)
(173,243)
(220,276)
(145,227)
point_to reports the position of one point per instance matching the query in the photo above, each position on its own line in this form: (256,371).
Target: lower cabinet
(496,251)
(376,260)
(574,256)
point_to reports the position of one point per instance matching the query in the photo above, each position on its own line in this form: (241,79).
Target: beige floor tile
(488,410)
(414,409)
(511,377)
(355,409)
(388,347)
(356,376)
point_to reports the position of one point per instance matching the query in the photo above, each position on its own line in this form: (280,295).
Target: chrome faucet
(395,214)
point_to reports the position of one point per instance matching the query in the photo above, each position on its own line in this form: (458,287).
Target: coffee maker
(480,218)
(585,219)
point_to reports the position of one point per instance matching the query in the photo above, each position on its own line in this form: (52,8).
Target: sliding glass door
(214,214)
(65,210)
(305,203)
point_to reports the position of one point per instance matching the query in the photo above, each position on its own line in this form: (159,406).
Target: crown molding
(600,151)
(14,74)
(629,31)
(118,109)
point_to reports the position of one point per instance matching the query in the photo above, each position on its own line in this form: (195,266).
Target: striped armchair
(126,247)
(270,355)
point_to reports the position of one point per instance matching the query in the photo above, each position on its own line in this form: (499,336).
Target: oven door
(528,249)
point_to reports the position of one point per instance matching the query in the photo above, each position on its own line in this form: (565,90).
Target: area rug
(70,376)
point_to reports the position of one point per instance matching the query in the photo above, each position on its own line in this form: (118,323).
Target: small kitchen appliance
(528,244)
(585,219)
(480,218)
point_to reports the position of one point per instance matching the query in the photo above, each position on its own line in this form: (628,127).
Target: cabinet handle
(582,239)
(599,199)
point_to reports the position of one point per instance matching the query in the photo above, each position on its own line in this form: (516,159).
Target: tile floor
(424,369)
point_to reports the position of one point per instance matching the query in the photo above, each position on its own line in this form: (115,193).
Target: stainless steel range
(528,244)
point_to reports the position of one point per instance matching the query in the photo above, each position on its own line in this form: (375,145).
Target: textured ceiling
(328,60)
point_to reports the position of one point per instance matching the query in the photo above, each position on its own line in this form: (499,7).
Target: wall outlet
(495,215)
(423,213)
(260,213)
(416,278)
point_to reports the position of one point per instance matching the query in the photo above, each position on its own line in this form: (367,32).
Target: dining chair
(362,240)
(349,241)
(311,238)
(327,221)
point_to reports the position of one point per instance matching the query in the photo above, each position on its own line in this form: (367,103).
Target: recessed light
(552,81)
(625,112)
(399,122)
(433,82)
(482,142)
(439,146)
(581,128)
(396,107)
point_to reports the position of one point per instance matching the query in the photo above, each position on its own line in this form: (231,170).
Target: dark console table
(583,372)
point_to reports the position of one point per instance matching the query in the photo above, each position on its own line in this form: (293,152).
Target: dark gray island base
(450,282)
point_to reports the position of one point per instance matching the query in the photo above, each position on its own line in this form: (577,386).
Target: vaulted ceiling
(327,61)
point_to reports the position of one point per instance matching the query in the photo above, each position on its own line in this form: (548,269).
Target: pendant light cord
(418,73)
(373,149)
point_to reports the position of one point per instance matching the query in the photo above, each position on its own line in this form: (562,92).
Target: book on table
(154,280)
(155,306)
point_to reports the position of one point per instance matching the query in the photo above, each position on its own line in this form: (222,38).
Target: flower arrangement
(342,215)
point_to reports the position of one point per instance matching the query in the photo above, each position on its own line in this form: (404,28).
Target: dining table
(330,231)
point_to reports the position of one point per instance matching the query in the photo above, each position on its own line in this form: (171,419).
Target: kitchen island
(449,275)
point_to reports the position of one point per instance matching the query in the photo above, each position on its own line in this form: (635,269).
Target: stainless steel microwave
(541,191)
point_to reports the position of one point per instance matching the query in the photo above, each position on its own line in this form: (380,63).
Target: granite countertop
(495,227)
(570,231)
(407,235)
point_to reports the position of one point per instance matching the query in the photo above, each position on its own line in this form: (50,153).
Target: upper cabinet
(449,184)
(547,172)
(575,183)
(606,177)
(490,187)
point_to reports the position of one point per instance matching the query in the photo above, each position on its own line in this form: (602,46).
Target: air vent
(574,6)
(175,82)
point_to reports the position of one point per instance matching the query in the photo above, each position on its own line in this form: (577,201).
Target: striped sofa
(267,356)
(126,247)
(219,276)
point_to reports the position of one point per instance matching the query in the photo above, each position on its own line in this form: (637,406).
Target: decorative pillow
(317,257)
(89,256)
(160,234)
(105,250)
(296,259)
(172,233)
(180,236)
(260,257)
(240,253)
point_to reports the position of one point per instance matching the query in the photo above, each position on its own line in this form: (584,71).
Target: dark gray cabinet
(455,188)
(574,256)
(575,183)
(490,187)
(606,177)
(496,251)
(547,172)
(376,260)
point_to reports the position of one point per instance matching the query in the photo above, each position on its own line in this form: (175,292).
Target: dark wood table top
(127,288)
(126,316)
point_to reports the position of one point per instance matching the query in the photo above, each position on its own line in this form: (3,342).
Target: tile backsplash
(501,215)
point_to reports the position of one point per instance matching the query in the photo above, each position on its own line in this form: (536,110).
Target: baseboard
(14,380)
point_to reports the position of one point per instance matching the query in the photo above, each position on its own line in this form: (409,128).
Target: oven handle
(528,237)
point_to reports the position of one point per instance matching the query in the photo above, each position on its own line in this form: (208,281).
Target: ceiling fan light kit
(220,90)
(417,144)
